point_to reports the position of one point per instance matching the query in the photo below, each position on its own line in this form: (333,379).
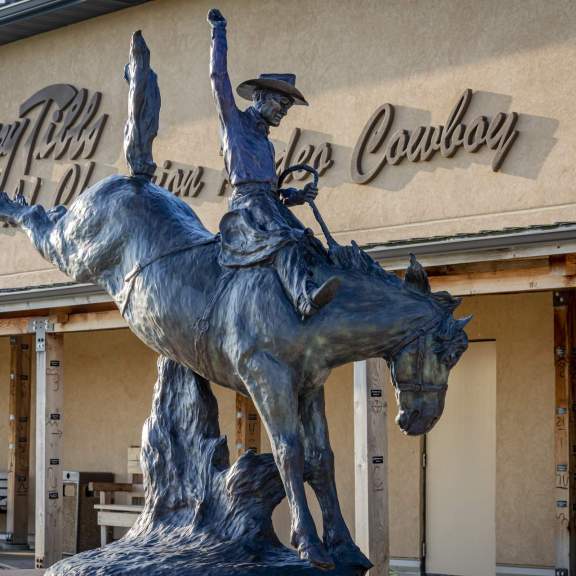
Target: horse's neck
(370,319)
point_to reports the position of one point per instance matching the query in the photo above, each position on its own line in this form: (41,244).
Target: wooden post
(49,404)
(565,366)
(248,426)
(19,452)
(371,463)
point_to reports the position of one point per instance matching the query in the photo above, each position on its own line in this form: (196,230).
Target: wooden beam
(463,282)
(565,366)
(19,448)
(63,323)
(371,463)
(248,426)
(49,420)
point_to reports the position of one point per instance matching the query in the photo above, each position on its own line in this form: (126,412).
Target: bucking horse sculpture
(150,252)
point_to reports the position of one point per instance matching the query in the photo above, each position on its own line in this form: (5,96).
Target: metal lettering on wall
(59,122)
(63,123)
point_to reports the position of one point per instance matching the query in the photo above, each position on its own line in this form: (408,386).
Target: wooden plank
(49,404)
(371,463)
(134,466)
(110,487)
(84,322)
(564,366)
(19,447)
(545,277)
(248,426)
(132,508)
(121,519)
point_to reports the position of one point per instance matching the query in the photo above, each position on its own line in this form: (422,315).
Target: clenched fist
(215,18)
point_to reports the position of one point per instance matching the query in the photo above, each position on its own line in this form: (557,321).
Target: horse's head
(422,361)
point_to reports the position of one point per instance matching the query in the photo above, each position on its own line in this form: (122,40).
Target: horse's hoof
(348,554)
(317,556)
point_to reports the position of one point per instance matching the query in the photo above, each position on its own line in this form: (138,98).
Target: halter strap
(414,335)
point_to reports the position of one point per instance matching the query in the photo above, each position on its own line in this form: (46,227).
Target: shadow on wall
(496,137)
(518,147)
(387,41)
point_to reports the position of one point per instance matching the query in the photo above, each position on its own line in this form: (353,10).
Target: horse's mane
(353,259)
(451,340)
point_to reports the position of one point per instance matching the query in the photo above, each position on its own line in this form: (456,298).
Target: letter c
(370,141)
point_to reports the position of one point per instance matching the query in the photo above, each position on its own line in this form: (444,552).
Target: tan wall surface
(523,327)
(109,379)
(350,58)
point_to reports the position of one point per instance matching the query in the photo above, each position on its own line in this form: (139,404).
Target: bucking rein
(202,322)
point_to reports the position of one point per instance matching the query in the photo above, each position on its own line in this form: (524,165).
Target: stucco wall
(350,57)
(523,327)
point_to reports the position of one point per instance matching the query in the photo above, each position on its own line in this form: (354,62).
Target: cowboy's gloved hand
(295,197)
(215,18)
(310,192)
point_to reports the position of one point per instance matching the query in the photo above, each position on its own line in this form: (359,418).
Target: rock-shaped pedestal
(202,517)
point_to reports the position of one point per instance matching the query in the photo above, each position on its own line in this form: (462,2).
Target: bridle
(419,335)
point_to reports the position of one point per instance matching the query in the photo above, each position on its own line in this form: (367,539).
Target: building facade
(446,129)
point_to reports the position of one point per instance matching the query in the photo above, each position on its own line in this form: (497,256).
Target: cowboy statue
(260,228)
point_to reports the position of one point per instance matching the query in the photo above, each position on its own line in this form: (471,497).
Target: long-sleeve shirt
(248,153)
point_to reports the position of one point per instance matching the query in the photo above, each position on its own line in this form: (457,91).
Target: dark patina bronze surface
(239,327)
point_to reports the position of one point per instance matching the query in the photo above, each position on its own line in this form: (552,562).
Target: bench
(112,515)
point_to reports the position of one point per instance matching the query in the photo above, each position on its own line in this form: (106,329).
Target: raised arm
(221,86)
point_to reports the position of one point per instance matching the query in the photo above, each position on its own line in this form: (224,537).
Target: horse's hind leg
(34,220)
(320,460)
(273,390)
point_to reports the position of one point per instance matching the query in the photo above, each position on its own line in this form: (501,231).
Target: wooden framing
(248,426)
(503,276)
(565,459)
(63,323)
(49,415)
(371,463)
(19,447)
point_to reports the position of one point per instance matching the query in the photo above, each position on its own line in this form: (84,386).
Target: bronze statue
(259,228)
(233,325)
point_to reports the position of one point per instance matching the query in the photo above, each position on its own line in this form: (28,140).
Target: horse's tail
(143,109)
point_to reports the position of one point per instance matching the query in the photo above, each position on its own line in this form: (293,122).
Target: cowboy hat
(283,83)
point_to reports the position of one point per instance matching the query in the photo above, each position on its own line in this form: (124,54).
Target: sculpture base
(127,558)
(202,517)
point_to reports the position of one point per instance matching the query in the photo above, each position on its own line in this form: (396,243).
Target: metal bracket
(40,327)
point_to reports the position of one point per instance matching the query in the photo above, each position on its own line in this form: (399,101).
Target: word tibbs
(66,126)
(420,145)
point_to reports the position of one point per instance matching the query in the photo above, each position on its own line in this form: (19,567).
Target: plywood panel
(524,331)
(461,471)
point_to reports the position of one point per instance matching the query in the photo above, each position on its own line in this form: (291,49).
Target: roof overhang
(509,244)
(30,17)
(504,245)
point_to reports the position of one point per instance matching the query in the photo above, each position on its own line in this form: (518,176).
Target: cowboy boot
(315,298)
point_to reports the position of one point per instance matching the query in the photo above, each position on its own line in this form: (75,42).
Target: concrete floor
(21,561)
(22,572)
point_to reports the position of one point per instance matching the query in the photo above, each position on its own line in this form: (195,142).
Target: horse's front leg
(274,393)
(320,459)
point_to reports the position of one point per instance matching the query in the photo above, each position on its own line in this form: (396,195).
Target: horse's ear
(463,321)
(416,277)
(447,301)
